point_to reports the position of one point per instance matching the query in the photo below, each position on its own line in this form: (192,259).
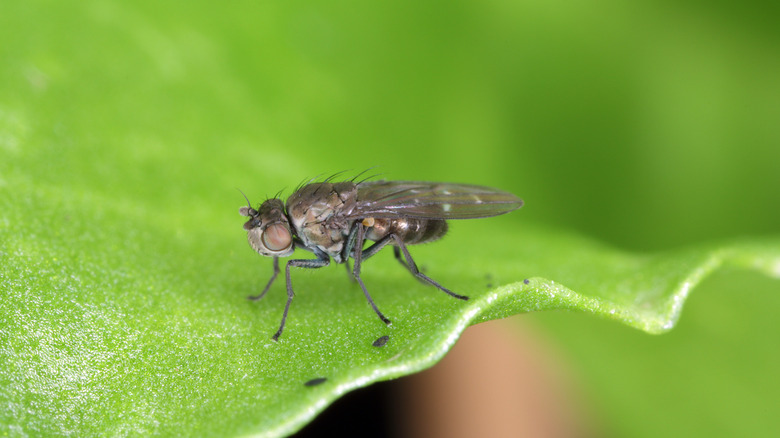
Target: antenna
(249,204)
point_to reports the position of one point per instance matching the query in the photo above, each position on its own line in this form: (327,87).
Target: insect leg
(321,260)
(397,254)
(358,261)
(270,282)
(349,271)
(378,245)
(413,268)
(373,249)
(350,243)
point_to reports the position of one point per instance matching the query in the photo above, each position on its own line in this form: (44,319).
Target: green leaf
(125,129)
(115,320)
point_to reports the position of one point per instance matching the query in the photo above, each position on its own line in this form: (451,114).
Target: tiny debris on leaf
(315,382)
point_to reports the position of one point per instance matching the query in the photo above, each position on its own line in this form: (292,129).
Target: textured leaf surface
(132,326)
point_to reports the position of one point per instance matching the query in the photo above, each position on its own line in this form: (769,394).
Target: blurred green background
(647,125)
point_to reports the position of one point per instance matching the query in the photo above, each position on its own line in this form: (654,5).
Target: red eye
(277,237)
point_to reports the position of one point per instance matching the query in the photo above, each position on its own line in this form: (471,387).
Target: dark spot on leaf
(526,281)
(381,341)
(315,382)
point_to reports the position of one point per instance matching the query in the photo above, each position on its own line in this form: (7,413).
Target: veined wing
(430,200)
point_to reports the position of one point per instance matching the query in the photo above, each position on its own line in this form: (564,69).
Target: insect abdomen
(410,230)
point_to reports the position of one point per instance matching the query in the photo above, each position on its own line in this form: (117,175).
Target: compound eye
(277,237)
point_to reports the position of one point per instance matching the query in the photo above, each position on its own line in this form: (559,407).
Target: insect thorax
(317,212)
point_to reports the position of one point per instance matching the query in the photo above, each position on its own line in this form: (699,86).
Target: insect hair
(316,179)
(328,179)
(366,178)
(249,204)
(305,182)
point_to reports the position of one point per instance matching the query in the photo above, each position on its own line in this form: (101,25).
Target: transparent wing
(429,200)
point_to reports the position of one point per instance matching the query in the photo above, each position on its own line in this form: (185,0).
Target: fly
(334,221)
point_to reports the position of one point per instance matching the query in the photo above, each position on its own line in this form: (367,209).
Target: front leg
(321,261)
(298,244)
(270,282)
